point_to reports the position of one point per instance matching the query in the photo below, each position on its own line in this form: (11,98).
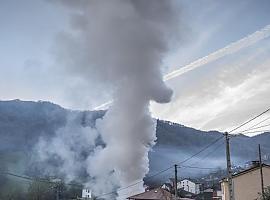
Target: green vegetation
(266,195)
(41,191)
(12,188)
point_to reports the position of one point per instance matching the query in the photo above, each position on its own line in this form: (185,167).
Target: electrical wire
(43,180)
(251,129)
(211,152)
(260,122)
(160,172)
(123,188)
(16,175)
(258,131)
(194,167)
(249,120)
(202,150)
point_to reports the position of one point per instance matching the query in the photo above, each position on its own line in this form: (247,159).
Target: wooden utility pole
(261,171)
(175,181)
(57,190)
(229,166)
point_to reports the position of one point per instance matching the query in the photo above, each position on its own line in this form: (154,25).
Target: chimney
(255,163)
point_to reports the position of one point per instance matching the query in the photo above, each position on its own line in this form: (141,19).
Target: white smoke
(120,44)
(65,149)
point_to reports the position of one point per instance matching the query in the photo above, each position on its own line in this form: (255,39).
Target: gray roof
(155,194)
(246,171)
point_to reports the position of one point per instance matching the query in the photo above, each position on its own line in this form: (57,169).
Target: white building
(189,186)
(167,186)
(86,194)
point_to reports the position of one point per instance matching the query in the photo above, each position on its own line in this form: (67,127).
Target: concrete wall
(224,190)
(247,186)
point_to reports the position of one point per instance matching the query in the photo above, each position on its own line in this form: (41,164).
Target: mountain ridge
(22,123)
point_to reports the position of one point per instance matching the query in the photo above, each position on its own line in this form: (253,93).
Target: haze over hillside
(23,123)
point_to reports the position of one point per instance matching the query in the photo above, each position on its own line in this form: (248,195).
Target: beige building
(247,184)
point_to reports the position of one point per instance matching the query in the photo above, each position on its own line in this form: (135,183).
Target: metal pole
(175,181)
(261,171)
(229,170)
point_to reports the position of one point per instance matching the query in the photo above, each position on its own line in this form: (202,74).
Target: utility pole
(57,194)
(175,181)
(38,188)
(57,191)
(261,171)
(57,186)
(229,166)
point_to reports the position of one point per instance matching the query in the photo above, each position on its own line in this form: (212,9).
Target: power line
(123,188)
(250,129)
(229,172)
(260,122)
(18,176)
(249,120)
(203,149)
(211,152)
(258,131)
(43,180)
(253,127)
(194,167)
(160,172)
(189,158)
(206,147)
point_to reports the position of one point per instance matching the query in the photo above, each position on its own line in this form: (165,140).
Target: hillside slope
(22,123)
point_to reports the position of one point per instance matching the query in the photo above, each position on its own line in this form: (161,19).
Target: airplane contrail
(104,105)
(229,49)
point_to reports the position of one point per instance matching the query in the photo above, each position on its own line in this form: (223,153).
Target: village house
(189,186)
(217,195)
(186,188)
(155,194)
(247,184)
(167,186)
(86,194)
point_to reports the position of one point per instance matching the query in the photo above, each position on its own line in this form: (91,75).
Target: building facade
(86,194)
(247,184)
(189,186)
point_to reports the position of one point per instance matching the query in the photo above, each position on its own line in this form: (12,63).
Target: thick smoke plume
(121,44)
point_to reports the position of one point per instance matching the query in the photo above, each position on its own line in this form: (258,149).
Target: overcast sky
(217,95)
